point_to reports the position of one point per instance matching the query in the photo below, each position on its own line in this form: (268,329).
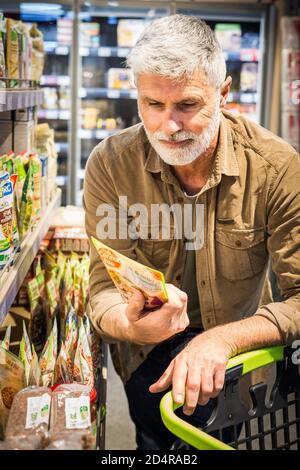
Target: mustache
(177,137)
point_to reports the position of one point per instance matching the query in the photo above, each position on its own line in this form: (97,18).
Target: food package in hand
(128,274)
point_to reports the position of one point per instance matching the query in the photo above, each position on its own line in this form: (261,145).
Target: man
(190,152)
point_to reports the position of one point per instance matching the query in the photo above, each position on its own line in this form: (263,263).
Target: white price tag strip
(113,94)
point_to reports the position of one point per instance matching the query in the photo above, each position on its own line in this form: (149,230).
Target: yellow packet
(128,274)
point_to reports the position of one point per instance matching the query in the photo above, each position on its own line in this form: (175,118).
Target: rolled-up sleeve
(99,189)
(284,247)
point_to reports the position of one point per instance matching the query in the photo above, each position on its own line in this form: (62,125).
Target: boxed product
(291,64)
(121,79)
(24,136)
(290,94)
(249,77)
(24,115)
(129,31)
(89,34)
(6,133)
(229,36)
(290,126)
(70,239)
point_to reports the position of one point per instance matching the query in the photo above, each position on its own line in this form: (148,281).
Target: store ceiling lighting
(113,4)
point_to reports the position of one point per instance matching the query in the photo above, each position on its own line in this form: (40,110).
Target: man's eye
(187,105)
(151,103)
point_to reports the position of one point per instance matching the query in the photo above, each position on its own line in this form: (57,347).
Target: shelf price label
(113,94)
(86,134)
(62,50)
(133,94)
(104,52)
(123,52)
(84,51)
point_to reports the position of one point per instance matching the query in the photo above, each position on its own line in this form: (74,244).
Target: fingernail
(178,399)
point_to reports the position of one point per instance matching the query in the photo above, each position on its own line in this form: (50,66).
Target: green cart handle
(195,437)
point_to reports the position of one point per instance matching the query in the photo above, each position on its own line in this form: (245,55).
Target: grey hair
(176,47)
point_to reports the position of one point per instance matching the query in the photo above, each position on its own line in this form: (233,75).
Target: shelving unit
(19,99)
(11,278)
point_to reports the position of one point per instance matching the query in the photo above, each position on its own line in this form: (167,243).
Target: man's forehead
(155,87)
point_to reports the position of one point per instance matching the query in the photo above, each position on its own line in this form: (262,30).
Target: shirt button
(238,243)
(149,235)
(202,283)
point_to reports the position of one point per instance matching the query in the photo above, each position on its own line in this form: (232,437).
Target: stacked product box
(290,93)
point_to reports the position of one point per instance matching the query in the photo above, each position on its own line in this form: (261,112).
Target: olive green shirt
(251,214)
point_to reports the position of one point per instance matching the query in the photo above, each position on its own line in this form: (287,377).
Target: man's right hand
(158,325)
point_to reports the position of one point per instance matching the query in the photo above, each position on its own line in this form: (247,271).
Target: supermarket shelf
(95,133)
(93,93)
(11,278)
(52,47)
(243,97)
(63,80)
(18,99)
(54,80)
(61,114)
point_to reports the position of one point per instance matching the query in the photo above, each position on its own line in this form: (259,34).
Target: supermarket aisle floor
(120,432)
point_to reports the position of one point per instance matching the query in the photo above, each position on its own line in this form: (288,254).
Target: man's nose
(171,123)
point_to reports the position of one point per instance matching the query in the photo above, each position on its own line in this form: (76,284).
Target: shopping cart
(272,421)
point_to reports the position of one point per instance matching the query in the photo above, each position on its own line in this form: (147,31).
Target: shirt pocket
(240,254)
(155,250)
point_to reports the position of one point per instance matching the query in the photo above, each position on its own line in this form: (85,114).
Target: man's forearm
(115,323)
(251,333)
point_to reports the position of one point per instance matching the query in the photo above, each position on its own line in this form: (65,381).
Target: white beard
(192,150)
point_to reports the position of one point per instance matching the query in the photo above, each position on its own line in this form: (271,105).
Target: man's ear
(225,89)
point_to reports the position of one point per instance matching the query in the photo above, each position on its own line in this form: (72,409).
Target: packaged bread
(70,411)
(30,412)
(32,442)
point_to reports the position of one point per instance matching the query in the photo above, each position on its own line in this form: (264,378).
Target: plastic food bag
(6,219)
(12,51)
(37,326)
(30,412)
(26,206)
(30,360)
(62,368)
(35,164)
(11,381)
(6,340)
(70,411)
(38,54)
(83,364)
(2,53)
(48,358)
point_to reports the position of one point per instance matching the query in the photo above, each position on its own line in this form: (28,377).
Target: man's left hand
(197,373)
